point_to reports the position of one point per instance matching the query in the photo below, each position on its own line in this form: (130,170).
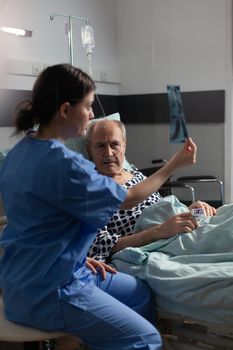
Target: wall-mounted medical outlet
(33,69)
(37,68)
(103,76)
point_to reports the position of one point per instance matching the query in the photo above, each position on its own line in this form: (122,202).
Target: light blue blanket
(191,273)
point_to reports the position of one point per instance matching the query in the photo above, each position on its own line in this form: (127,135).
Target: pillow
(78,144)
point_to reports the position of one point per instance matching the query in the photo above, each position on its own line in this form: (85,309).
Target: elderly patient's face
(107,148)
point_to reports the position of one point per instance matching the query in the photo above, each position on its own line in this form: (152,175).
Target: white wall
(49,43)
(153,143)
(180,42)
(171,41)
(152,43)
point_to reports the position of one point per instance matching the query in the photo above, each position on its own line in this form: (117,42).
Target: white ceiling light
(16,31)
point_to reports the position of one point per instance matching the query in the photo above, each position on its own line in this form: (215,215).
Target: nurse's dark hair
(54,86)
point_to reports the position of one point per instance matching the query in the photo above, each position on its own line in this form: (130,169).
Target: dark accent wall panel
(109,103)
(9,99)
(199,107)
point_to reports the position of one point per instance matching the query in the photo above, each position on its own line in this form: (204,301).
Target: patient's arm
(176,224)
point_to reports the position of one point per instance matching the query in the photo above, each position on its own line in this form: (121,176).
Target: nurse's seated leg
(109,324)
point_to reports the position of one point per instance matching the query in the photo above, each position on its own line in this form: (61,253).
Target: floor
(63,343)
(10,346)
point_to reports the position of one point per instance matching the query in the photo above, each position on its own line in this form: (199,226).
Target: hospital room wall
(178,42)
(49,44)
(144,45)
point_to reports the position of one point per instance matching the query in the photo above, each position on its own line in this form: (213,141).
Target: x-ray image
(178,129)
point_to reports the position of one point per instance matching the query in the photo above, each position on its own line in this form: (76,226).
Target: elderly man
(106,143)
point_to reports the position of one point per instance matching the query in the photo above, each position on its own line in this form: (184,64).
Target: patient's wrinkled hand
(209,211)
(96,266)
(184,222)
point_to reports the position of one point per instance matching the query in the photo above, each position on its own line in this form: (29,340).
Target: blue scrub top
(55,201)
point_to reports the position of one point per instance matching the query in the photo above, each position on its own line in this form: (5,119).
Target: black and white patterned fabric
(122,223)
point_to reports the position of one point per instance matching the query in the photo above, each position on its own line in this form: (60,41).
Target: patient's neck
(122,177)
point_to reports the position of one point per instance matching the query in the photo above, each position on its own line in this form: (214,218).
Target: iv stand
(70,31)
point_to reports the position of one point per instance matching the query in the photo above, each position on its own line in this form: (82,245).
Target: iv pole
(89,44)
(70,31)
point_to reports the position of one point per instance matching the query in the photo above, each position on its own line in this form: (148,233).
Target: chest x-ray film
(178,129)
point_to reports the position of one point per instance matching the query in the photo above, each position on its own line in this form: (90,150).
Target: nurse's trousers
(119,315)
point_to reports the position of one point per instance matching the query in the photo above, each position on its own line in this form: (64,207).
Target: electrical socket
(37,68)
(103,76)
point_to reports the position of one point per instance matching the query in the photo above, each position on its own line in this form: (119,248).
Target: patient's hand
(96,266)
(209,211)
(184,222)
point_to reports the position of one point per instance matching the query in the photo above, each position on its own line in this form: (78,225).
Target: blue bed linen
(190,273)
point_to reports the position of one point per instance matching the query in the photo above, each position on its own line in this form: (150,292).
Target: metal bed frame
(181,333)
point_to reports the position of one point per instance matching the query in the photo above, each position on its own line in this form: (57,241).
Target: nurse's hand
(96,266)
(185,156)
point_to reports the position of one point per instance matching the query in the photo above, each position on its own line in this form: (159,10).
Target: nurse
(55,201)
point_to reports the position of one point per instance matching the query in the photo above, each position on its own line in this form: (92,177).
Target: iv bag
(88,40)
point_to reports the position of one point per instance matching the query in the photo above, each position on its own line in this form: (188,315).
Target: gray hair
(92,124)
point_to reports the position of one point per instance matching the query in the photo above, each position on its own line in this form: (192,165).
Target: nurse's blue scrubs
(55,201)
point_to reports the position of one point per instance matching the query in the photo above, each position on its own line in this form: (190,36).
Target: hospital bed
(180,329)
(185,333)
(193,292)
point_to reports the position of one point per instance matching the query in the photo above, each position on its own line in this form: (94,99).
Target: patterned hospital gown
(121,224)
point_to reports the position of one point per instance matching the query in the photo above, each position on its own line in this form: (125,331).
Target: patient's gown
(122,222)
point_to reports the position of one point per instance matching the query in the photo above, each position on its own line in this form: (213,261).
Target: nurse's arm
(184,157)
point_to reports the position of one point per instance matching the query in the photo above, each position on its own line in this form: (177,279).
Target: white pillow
(78,144)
